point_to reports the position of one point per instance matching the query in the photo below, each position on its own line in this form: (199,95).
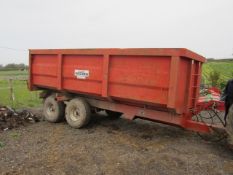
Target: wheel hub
(75,114)
(50,109)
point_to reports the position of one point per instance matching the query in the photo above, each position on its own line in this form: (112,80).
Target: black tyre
(229,126)
(78,113)
(113,114)
(53,110)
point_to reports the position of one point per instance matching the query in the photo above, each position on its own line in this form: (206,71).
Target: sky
(203,26)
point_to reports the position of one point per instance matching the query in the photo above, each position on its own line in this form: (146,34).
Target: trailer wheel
(53,110)
(229,126)
(78,113)
(113,114)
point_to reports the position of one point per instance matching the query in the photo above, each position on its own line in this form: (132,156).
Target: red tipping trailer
(156,84)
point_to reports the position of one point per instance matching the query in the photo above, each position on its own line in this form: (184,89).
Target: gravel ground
(108,146)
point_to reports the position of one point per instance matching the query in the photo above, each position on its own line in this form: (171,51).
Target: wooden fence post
(12,96)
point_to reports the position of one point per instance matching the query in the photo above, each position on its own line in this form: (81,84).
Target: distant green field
(22,96)
(16,74)
(224,67)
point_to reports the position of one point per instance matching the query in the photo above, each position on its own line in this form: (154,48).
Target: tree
(222,84)
(214,78)
(11,66)
(15,66)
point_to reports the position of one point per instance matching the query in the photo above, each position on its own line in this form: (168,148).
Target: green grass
(23,97)
(1,144)
(16,74)
(15,135)
(224,67)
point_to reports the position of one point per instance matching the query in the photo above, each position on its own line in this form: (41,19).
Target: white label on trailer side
(81,74)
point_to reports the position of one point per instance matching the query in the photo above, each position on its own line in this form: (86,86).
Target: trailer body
(156,84)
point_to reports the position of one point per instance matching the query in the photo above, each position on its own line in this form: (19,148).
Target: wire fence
(14,92)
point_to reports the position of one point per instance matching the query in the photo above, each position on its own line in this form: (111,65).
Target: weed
(1,144)
(15,135)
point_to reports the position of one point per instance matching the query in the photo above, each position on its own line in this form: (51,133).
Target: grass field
(224,67)
(15,74)
(22,97)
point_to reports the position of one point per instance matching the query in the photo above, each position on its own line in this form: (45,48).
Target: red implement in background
(210,101)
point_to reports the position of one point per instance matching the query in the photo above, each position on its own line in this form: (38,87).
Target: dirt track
(110,147)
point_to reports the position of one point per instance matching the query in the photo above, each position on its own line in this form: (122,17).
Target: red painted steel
(160,79)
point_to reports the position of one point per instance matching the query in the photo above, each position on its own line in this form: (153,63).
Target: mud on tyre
(78,113)
(53,110)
